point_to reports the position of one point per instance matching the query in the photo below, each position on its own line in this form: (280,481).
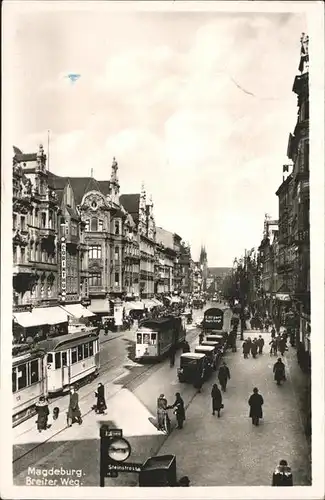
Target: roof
(25,157)
(204,348)
(131,204)
(105,186)
(75,338)
(55,181)
(82,185)
(193,355)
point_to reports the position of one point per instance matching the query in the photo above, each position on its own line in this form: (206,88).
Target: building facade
(165,261)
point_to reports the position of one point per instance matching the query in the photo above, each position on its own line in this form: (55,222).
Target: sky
(197,105)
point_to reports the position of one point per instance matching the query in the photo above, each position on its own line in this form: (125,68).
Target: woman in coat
(100,395)
(255,403)
(279,372)
(179,410)
(216,399)
(42,409)
(74,410)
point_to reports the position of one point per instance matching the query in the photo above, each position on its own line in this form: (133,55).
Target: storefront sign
(63,268)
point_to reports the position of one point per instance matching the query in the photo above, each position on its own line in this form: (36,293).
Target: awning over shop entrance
(136,305)
(41,316)
(98,306)
(77,310)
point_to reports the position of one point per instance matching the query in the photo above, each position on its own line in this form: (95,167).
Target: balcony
(46,232)
(96,290)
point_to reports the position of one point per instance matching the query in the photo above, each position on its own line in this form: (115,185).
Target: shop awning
(77,310)
(136,305)
(149,303)
(41,316)
(100,306)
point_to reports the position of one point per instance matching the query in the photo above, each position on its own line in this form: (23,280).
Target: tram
(51,367)
(155,337)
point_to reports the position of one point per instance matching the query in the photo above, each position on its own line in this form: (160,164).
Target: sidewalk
(230,451)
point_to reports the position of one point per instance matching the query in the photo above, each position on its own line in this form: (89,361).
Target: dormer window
(94,224)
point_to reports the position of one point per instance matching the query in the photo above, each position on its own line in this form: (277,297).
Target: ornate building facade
(165,261)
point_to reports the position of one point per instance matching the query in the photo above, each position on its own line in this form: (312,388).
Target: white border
(315,18)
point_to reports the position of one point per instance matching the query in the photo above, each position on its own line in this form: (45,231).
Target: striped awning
(41,316)
(77,311)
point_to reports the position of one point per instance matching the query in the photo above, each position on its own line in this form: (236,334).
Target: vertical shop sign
(63,268)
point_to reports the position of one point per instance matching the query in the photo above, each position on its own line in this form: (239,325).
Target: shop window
(57,360)
(22,376)
(34,372)
(86,351)
(14,380)
(91,349)
(80,356)
(73,356)
(94,224)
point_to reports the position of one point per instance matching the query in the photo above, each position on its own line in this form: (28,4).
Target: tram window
(22,377)
(57,360)
(50,358)
(14,380)
(34,372)
(91,349)
(64,359)
(153,338)
(79,352)
(146,338)
(139,338)
(86,351)
(73,355)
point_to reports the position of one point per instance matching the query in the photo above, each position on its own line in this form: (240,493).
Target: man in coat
(223,376)
(216,399)
(282,476)
(179,410)
(42,409)
(254,348)
(100,395)
(255,403)
(246,348)
(74,410)
(260,344)
(279,371)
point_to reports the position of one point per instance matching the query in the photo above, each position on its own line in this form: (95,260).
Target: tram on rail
(155,337)
(51,368)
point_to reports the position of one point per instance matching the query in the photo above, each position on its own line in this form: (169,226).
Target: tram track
(135,381)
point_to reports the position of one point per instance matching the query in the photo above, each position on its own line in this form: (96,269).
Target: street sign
(125,467)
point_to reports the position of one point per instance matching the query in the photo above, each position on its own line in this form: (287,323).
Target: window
(146,338)
(14,221)
(117,278)
(94,224)
(64,359)
(95,279)
(116,253)
(50,358)
(86,351)
(80,354)
(95,252)
(153,338)
(43,219)
(74,231)
(91,349)
(49,291)
(14,380)
(22,223)
(22,377)
(73,356)
(22,255)
(87,224)
(14,252)
(34,372)
(100,225)
(139,338)
(117,227)
(57,360)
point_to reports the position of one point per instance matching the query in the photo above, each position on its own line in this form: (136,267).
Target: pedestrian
(279,372)
(274,347)
(179,410)
(106,328)
(74,410)
(282,476)
(246,348)
(42,410)
(254,348)
(272,332)
(216,400)
(260,344)
(256,402)
(282,345)
(100,395)
(223,375)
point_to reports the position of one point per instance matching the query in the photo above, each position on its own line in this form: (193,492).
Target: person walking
(42,410)
(282,345)
(260,343)
(279,371)
(246,348)
(282,476)
(256,402)
(100,395)
(179,410)
(223,376)
(274,347)
(254,348)
(74,410)
(216,400)
(272,332)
